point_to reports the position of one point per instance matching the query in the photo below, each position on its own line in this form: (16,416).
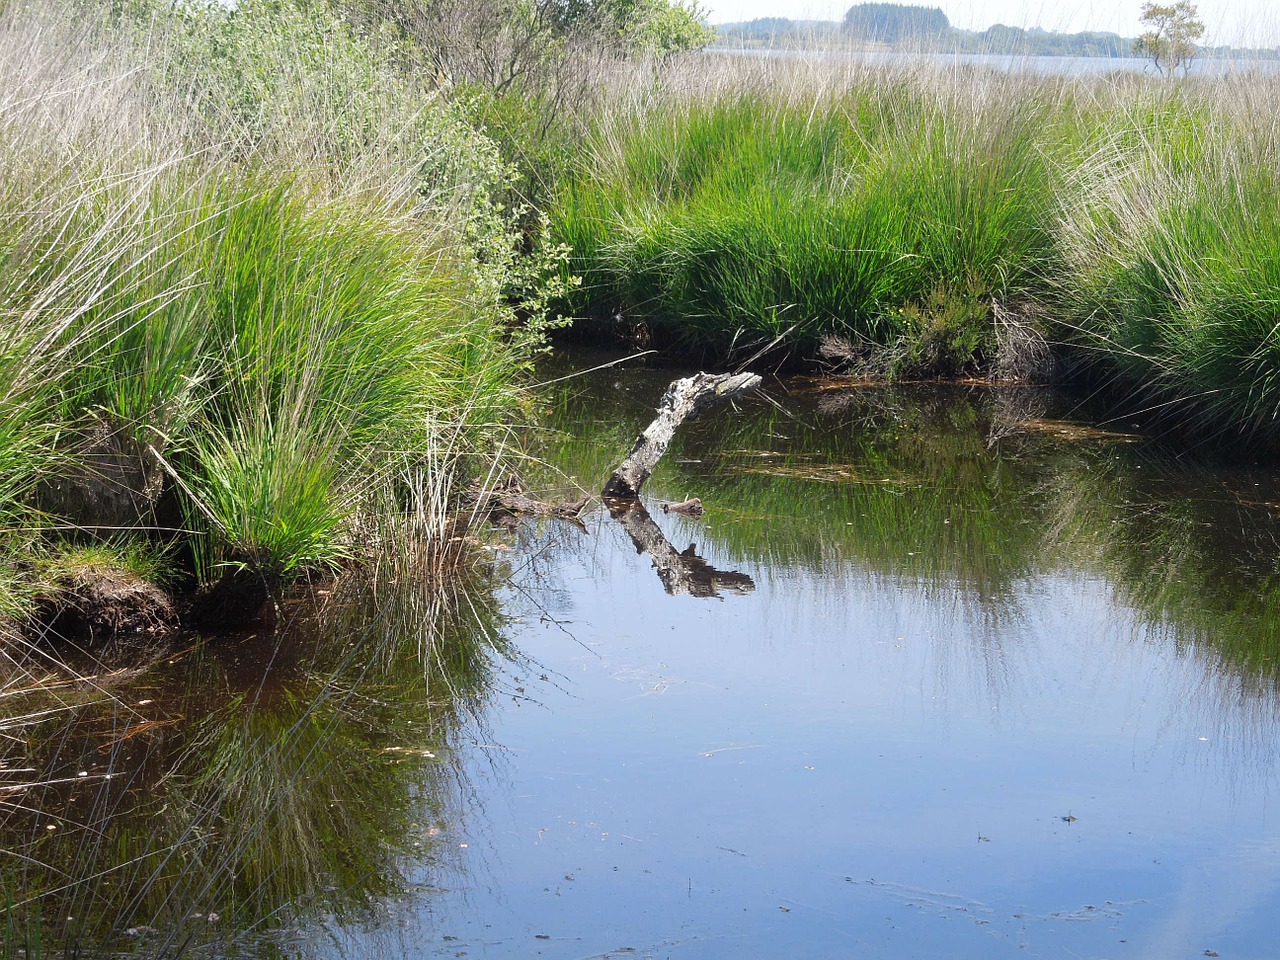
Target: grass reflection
(259,784)
(970,490)
(1191,547)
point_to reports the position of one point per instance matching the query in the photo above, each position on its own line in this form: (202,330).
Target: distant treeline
(901,27)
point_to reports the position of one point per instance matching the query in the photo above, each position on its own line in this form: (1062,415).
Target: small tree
(661,27)
(1170,43)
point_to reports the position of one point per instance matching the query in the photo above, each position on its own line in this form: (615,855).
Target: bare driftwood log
(683,573)
(518,504)
(691,507)
(506,508)
(684,400)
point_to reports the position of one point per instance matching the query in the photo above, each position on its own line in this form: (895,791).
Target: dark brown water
(940,673)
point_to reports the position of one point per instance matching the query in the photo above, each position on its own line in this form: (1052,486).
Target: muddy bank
(114,614)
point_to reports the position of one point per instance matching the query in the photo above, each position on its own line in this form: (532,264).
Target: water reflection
(683,573)
(988,682)
(969,493)
(1005,686)
(239,793)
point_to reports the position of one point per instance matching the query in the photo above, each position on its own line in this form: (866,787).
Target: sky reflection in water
(1003,688)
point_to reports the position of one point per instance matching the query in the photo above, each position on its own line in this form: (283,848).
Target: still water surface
(997,686)
(1063,66)
(941,672)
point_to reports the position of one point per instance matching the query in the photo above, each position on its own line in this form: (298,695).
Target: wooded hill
(909,28)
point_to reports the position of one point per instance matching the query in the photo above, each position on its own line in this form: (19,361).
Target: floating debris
(1073,432)
(823,473)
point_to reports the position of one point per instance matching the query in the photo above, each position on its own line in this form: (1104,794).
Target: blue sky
(1239,22)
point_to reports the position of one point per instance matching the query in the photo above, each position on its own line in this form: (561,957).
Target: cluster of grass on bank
(930,221)
(254,307)
(753,205)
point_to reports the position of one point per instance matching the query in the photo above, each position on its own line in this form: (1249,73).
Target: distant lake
(1049,66)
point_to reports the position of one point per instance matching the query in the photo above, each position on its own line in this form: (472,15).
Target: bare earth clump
(113,483)
(98,605)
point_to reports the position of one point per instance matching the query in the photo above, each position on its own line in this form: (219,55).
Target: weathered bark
(517,504)
(683,573)
(684,400)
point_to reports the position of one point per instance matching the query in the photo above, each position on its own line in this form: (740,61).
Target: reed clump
(887,207)
(1172,245)
(907,217)
(239,307)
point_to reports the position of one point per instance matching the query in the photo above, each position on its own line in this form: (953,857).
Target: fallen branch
(690,508)
(505,508)
(684,400)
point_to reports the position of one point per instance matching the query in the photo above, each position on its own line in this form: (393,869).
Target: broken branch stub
(684,400)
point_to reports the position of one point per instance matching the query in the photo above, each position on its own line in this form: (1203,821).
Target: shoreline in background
(1046,65)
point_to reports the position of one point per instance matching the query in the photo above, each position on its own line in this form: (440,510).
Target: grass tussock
(236,304)
(1172,252)
(932,221)
(881,206)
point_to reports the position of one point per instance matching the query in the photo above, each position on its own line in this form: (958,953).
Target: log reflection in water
(683,573)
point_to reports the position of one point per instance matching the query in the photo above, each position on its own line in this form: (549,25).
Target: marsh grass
(1172,250)
(818,204)
(291,294)
(903,211)
(310,411)
(271,309)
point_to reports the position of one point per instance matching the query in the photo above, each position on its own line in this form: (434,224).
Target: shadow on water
(238,797)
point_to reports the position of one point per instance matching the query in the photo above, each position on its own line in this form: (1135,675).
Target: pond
(941,672)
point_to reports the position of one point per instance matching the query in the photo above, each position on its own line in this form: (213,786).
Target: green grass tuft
(271,292)
(725,219)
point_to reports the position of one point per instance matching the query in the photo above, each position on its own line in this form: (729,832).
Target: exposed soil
(111,482)
(108,612)
(99,604)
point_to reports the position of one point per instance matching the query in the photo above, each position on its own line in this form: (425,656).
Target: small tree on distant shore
(1170,41)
